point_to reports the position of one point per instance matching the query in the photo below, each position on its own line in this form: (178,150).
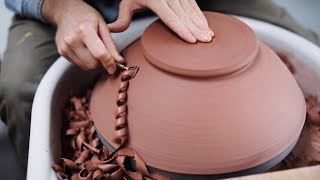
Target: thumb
(124,18)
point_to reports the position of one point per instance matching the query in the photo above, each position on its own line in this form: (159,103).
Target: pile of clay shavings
(85,158)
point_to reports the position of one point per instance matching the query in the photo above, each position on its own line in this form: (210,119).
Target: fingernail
(208,33)
(111,69)
(192,39)
(209,39)
(206,38)
(120,58)
(211,33)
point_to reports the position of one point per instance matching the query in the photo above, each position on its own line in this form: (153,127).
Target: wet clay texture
(212,108)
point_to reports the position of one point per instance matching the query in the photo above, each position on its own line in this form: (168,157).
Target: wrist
(53,10)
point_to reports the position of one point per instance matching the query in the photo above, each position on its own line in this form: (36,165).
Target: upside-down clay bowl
(204,108)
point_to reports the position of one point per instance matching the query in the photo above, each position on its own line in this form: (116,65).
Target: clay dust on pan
(84,156)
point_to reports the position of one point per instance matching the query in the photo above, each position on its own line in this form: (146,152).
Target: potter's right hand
(82,36)
(184,17)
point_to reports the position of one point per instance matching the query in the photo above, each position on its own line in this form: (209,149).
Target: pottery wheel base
(257,169)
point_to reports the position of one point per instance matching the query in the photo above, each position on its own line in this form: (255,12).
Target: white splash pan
(64,79)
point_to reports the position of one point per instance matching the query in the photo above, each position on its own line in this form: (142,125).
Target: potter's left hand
(184,17)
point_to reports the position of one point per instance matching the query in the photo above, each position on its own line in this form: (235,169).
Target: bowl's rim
(40,156)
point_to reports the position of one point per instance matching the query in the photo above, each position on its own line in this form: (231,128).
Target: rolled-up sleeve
(27,8)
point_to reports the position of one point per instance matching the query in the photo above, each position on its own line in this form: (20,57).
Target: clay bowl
(222,107)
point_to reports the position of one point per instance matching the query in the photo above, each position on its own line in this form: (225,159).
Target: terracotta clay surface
(205,125)
(233,47)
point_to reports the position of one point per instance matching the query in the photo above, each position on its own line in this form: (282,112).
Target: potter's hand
(83,36)
(183,16)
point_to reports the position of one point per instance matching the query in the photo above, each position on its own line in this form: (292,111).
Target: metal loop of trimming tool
(123,67)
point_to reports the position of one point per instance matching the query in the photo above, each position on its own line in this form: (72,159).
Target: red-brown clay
(241,111)
(234,47)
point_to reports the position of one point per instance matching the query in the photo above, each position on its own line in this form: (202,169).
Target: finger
(97,48)
(192,14)
(172,21)
(196,8)
(73,58)
(65,50)
(123,21)
(197,33)
(109,65)
(105,35)
(82,52)
(197,15)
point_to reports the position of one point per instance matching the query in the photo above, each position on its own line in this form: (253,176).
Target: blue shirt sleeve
(32,8)
(28,8)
